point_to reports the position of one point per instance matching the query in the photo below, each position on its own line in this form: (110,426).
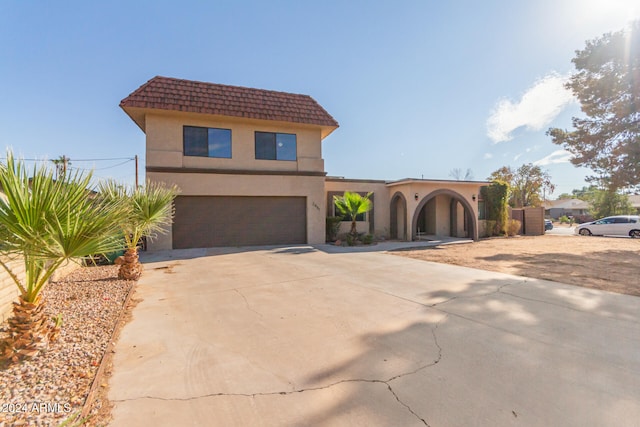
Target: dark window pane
(195,141)
(285,146)
(265,145)
(220,143)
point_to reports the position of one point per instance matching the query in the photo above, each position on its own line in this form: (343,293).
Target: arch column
(398,217)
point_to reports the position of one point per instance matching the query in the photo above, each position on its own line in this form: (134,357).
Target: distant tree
(62,164)
(606,83)
(529,184)
(608,202)
(459,175)
(585,193)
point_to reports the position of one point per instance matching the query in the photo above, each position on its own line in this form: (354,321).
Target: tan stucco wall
(443,226)
(165,143)
(164,134)
(424,189)
(380,203)
(203,184)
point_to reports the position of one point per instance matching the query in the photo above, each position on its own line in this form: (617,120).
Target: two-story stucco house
(249,166)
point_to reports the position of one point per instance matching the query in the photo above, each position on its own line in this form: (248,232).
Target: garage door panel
(238,221)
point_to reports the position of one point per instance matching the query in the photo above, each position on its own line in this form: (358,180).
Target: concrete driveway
(302,337)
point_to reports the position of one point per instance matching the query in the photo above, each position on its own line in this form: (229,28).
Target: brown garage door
(202,222)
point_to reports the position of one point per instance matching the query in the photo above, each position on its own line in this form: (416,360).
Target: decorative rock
(64,372)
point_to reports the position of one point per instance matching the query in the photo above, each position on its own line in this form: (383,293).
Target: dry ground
(607,263)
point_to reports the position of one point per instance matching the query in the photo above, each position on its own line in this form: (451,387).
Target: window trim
(275,142)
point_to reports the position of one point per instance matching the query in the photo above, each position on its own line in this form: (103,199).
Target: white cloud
(487,156)
(558,156)
(537,108)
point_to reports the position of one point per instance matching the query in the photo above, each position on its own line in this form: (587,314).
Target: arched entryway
(398,215)
(444,213)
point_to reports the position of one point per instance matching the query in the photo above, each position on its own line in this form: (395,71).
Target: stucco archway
(398,217)
(470,220)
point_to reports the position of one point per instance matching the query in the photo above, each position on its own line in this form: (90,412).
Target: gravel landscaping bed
(54,387)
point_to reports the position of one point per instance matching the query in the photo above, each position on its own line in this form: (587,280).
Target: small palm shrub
(44,223)
(350,205)
(149,210)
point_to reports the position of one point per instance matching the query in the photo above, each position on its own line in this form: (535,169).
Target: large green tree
(528,184)
(607,85)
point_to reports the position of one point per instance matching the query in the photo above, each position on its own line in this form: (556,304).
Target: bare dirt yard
(607,263)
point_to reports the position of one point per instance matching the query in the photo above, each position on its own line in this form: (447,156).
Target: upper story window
(207,142)
(275,146)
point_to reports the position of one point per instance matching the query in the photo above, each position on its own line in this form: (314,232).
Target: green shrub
(367,239)
(496,197)
(563,219)
(490,227)
(350,239)
(332,227)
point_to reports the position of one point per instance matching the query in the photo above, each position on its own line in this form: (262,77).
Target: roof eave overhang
(325,131)
(137,115)
(432,181)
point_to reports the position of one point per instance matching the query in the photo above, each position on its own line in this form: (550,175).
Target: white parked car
(620,225)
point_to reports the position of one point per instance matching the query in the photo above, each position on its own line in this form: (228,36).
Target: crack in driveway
(247,302)
(284,393)
(290,392)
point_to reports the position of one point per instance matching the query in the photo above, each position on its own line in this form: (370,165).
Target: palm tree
(149,212)
(351,205)
(44,223)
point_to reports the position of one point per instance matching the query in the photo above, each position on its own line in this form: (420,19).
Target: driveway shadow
(515,352)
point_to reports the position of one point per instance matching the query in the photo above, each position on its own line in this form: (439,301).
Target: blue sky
(419,87)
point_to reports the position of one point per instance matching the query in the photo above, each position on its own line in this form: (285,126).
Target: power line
(75,160)
(106,167)
(98,160)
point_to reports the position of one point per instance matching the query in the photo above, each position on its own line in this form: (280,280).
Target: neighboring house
(569,207)
(249,166)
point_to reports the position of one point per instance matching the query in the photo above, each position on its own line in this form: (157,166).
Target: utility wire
(74,160)
(106,167)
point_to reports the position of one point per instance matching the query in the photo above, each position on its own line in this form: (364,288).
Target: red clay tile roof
(166,93)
